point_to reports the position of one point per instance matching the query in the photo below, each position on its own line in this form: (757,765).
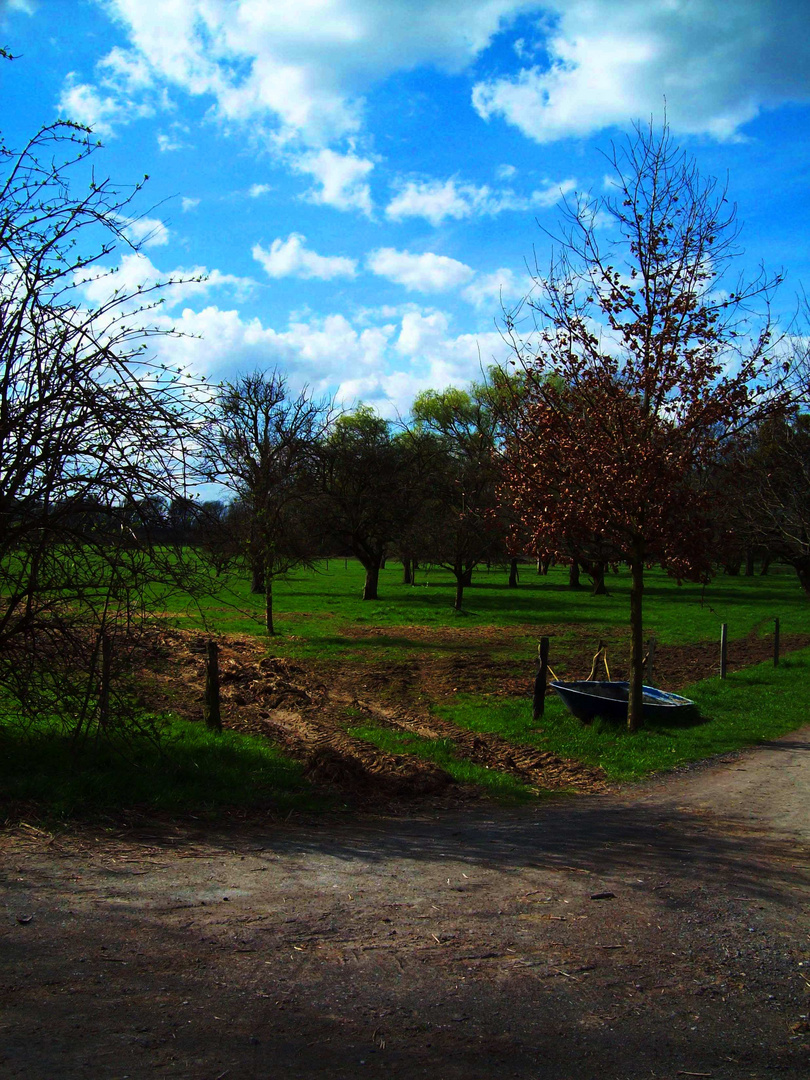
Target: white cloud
(290,258)
(506,172)
(147,232)
(717,65)
(167,143)
(305,66)
(257,190)
(136,274)
(552,192)
(342,178)
(189,204)
(86,105)
(490,289)
(422,273)
(436,200)
(125,91)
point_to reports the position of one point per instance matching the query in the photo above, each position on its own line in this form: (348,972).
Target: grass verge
(188,769)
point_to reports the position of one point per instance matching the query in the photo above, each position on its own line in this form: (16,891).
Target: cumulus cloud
(136,274)
(342,179)
(437,200)
(290,258)
(489,290)
(125,90)
(147,232)
(306,66)
(319,350)
(257,190)
(717,65)
(188,203)
(420,273)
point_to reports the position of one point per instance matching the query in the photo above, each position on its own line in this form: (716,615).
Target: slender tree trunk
(407,573)
(268,602)
(573,575)
(256,576)
(459,592)
(732,569)
(635,702)
(599,587)
(513,573)
(463,576)
(766,562)
(372,580)
(749,563)
(802,568)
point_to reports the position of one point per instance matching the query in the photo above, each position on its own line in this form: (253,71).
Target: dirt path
(470,943)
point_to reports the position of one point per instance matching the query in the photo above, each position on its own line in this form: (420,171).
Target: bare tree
(91,426)
(260,445)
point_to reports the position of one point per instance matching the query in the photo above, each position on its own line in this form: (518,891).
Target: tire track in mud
(539,769)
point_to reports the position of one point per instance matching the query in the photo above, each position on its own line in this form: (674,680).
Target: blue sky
(362,181)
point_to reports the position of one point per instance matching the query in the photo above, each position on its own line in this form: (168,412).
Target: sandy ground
(663,932)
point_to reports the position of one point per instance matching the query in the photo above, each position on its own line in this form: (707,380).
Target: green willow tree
(642,356)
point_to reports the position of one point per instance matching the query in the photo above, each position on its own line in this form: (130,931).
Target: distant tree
(458,523)
(774,473)
(366,473)
(640,360)
(261,445)
(92,431)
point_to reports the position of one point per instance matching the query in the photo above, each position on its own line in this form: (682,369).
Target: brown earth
(660,932)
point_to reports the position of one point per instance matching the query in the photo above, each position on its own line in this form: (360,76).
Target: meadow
(460,672)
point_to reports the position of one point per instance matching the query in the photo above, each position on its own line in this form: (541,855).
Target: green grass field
(313,608)
(320,617)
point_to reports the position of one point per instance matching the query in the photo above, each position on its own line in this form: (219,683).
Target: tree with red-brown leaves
(641,360)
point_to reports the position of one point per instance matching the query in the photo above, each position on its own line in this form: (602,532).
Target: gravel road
(662,931)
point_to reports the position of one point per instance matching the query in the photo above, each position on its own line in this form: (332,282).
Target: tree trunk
(635,702)
(573,575)
(256,576)
(513,573)
(463,576)
(268,602)
(766,562)
(749,563)
(459,592)
(407,573)
(372,580)
(599,587)
(802,568)
(732,569)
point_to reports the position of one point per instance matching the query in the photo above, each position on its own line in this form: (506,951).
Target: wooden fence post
(539,695)
(723,650)
(104,689)
(776,642)
(650,662)
(211,711)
